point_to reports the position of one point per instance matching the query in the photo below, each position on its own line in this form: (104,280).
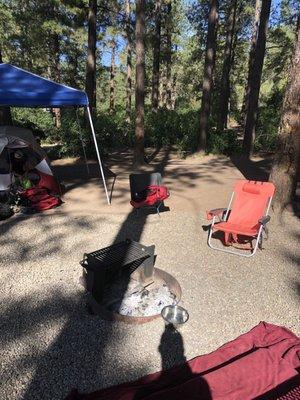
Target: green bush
(166,127)
(36,119)
(227,143)
(267,127)
(169,127)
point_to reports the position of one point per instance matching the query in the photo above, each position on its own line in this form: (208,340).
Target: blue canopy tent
(20,88)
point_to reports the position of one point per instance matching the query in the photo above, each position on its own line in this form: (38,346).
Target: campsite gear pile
(39,199)
(25,175)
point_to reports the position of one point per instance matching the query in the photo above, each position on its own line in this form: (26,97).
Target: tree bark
(57,76)
(139,152)
(90,81)
(128,61)
(225,81)
(5,114)
(156,56)
(252,53)
(169,57)
(255,79)
(112,78)
(210,54)
(286,167)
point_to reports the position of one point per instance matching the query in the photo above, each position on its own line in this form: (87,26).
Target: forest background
(202,60)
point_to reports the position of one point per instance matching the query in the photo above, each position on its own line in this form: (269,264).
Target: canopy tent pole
(97,151)
(82,142)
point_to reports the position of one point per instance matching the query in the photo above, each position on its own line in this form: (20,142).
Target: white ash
(138,301)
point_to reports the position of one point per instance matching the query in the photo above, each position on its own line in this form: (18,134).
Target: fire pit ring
(109,315)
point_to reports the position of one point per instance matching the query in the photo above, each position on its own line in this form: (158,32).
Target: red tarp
(249,367)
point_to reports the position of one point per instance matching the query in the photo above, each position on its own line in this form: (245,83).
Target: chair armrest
(264,220)
(213,213)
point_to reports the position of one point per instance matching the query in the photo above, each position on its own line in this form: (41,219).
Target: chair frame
(156,206)
(258,236)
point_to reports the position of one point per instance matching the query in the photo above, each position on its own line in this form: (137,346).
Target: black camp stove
(106,265)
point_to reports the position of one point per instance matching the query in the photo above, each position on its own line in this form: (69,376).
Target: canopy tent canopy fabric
(20,88)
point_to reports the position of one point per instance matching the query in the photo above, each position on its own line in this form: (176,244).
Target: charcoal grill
(104,265)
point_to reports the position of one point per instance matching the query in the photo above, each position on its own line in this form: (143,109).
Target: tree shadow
(82,353)
(253,170)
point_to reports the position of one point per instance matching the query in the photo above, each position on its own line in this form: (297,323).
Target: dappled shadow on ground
(293,259)
(33,245)
(253,170)
(180,176)
(80,349)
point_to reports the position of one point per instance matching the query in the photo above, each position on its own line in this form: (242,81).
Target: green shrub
(227,143)
(267,129)
(36,119)
(166,127)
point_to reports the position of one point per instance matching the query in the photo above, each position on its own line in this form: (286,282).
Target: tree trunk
(169,57)
(128,61)
(57,76)
(252,53)
(90,80)
(210,54)
(139,155)
(286,168)
(156,56)
(162,85)
(174,92)
(112,78)
(225,81)
(255,79)
(5,114)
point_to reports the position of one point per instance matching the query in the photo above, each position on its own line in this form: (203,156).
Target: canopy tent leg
(97,151)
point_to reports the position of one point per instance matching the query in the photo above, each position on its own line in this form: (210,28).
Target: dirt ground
(193,182)
(49,342)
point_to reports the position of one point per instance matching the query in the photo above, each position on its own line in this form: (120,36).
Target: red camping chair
(147,191)
(247,218)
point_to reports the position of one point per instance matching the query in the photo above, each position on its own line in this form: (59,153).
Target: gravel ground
(50,344)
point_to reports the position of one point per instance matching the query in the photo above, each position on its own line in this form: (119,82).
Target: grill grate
(105,265)
(122,254)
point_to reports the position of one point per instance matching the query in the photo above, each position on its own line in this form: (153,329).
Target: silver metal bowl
(175,315)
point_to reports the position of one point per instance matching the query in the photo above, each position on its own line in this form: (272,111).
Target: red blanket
(253,365)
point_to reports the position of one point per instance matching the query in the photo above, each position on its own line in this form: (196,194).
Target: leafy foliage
(28,30)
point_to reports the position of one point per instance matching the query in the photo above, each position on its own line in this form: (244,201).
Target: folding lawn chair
(246,220)
(140,183)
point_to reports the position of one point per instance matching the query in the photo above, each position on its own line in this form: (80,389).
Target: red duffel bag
(150,196)
(40,199)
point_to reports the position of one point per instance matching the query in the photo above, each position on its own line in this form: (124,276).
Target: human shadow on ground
(172,381)
(176,379)
(85,351)
(172,353)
